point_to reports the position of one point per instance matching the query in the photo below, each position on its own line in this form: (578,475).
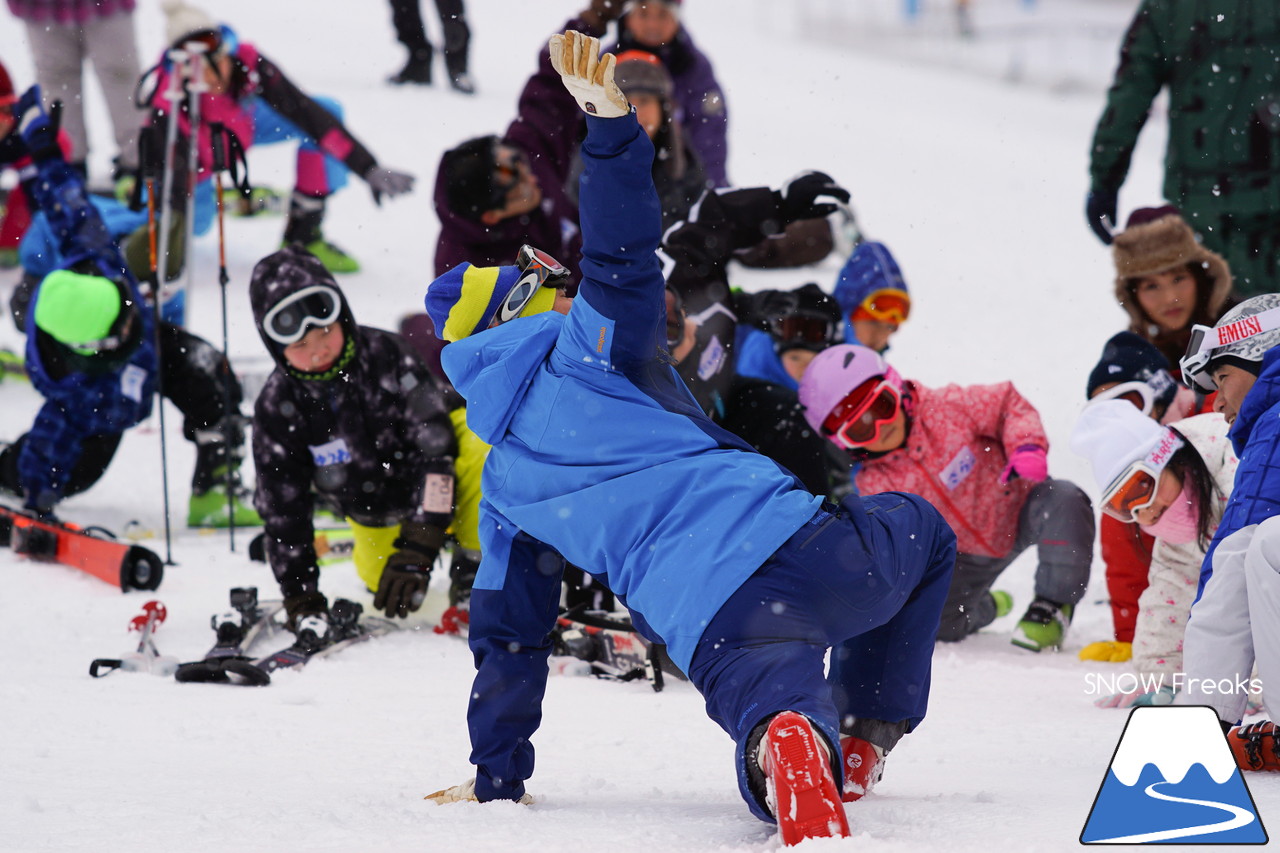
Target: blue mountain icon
(1173,781)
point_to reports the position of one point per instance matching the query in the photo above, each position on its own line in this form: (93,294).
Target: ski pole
(216,131)
(196,86)
(173,93)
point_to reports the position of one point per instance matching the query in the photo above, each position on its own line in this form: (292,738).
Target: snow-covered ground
(976,182)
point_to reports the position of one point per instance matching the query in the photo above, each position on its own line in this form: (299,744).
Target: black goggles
(803,329)
(315,306)
(537,269)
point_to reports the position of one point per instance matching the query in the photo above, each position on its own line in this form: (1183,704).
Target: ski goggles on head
(859,418)
(1139,393)
(115,338)
(311,307)
(803,329)
(214,42)
(537,269)
(888,305)
(1207,340)
(1135,488)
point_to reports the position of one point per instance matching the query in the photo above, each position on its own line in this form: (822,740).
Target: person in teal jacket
(1220,61)
(602,457)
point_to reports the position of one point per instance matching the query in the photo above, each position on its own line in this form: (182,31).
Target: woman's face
(1167,298)
(318,350)
(1168,487)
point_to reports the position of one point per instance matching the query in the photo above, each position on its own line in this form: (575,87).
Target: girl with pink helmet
(978,454)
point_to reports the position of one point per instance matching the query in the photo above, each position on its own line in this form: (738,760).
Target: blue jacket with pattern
(1255,435)
(83,397)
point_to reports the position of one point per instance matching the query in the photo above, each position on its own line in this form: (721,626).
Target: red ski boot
(801,788)
(863,767)
(1256,746)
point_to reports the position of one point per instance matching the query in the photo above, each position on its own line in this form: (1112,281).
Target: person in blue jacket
(1235,620)
(602,457)
(92,353)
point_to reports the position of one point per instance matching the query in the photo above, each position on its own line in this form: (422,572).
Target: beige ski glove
(465,793)
(587,75)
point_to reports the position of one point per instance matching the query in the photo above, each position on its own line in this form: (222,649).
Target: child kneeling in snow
(977,453)
(1174,482)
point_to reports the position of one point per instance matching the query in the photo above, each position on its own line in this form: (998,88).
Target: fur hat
(1156,240)
(183,20)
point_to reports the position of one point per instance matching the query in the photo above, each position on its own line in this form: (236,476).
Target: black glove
(810,195)
(1100,213)
(388,182)
(606,10)
(297,607)
(41,135)
(408,572)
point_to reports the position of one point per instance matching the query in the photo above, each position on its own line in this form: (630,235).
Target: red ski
(87,549)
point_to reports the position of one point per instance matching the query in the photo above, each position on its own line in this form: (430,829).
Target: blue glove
(1100,212)
(41,134)
(29,99)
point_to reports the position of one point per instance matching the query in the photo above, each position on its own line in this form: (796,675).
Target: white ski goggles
(1139,392)
(1207,340)
(311,307)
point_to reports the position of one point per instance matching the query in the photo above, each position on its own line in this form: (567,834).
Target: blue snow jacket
(79,404)
(757,358)
(1256,438)
(600,452)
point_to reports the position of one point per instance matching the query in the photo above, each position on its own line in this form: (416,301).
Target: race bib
(437,495)
(132,378)
(330,453)
(958,468)
(712,359)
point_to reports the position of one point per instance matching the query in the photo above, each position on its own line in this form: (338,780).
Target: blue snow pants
(871,575)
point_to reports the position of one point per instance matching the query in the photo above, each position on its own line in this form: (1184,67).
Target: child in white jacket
(1188,468)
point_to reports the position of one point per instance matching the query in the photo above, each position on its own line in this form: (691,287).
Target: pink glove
(1028,462)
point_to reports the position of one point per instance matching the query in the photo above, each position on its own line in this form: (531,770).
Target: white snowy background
(968,157)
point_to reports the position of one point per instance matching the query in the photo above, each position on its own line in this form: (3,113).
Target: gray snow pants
(1058,519)
(60,51)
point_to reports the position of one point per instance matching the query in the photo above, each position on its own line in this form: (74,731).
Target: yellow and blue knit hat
(465,299)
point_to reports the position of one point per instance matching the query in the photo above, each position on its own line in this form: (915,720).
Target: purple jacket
(68,11)
(544,111)
(699,99)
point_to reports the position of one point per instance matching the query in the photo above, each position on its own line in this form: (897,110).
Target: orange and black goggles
(860,418)
(1135,488)
(887,305)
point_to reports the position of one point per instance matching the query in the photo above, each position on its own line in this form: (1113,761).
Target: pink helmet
(835,372)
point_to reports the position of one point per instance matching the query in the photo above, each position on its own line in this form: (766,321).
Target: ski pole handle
(104,666)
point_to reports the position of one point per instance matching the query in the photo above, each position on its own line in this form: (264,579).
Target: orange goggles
(889,305)
(1133,490)
(861,416)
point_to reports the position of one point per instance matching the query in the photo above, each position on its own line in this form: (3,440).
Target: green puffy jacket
(1221,62)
